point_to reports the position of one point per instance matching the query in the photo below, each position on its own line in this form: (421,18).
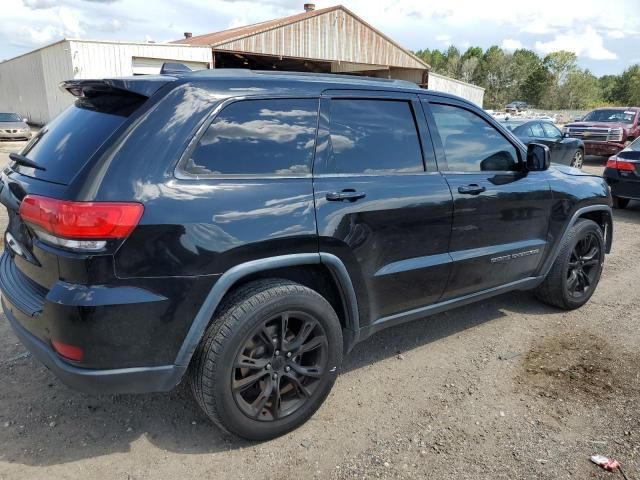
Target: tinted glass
(258,137)
(551,131)
(522,130)
(63,146)
(470,143)
(10,117)
(536,130)
(373,137)
(610,115)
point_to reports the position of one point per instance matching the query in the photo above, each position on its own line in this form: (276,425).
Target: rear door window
(274,137)
(67,143)
(373,137)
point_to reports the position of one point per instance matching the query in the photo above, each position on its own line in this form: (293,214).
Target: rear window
(65,145)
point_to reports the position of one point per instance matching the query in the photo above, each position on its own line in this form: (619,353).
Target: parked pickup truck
(606,131)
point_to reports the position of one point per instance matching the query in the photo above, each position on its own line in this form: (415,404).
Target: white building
(29,83)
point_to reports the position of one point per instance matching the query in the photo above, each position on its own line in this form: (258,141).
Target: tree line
(554,81)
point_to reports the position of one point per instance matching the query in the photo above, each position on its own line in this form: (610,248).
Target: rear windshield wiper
(22,160)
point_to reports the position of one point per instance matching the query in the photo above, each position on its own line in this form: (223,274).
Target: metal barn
(328,40)
(29,83)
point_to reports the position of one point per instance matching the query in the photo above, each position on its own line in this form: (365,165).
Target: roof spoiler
(169,68)
(143,86)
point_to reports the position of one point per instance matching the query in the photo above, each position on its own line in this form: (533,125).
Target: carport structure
(328,40)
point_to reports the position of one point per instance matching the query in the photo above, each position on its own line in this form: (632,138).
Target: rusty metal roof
(240,32)
(227,36)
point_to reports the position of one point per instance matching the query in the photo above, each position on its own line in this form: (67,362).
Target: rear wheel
(576,271)
(578,159)
(620,202)
(268,360)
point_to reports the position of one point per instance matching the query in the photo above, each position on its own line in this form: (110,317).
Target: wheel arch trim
(238,272)
(548,263)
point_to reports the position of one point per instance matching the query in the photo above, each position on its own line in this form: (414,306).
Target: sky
(604,34)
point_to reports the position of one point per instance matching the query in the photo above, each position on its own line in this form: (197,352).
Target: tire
(620,203)
(578,159)
(276,392)
(556,288)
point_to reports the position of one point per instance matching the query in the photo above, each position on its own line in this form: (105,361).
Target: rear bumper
(622,187)
(123,380)
(601,148)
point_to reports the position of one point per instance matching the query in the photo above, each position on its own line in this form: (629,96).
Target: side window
(373,137)
(258,137)
(551,131)
(536,130)
(470,143)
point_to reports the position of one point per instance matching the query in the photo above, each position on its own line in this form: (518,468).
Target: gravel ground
(506,388)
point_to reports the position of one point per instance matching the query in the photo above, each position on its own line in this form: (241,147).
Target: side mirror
(577,118)
(538,157)
(565,135)
(25,120)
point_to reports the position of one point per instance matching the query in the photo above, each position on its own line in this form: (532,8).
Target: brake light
(81,220)
(70,352)
(617,164)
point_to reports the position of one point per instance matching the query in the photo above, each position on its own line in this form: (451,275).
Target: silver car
(12,127)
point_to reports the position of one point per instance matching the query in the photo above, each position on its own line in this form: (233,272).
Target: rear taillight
(618,164)
(70,352)
(85,225)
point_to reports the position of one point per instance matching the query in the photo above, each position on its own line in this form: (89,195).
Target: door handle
(348,194)
(472,189)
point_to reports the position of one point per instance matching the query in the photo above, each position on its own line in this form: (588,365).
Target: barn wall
(332,36)
(22,82)
(449,85)
(29,83)
(92,59)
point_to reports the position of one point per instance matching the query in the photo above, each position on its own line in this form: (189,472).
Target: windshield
(10,117)
(511,125)
(610,115)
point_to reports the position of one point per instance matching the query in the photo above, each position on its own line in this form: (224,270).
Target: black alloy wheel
(576,271)
(279,367)
(584,265)
(268,360)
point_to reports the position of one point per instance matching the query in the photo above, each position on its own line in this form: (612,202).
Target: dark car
(245,230)
(623,175)
(13,127)
(516,106)
(606,131)
(564,150)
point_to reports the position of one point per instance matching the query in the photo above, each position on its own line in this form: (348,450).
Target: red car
(606,131)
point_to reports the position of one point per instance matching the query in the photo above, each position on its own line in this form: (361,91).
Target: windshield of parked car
(511,125)
(610,115)
(10,117)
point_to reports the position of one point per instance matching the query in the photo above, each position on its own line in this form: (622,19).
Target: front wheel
(268,360)
(578,159)
(576,271)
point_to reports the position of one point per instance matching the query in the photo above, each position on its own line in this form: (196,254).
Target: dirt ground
(504,389)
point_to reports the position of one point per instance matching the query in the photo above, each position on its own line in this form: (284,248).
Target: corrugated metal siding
(332,36)
(449,85)
(22,87)
(102,59)
(29,84)
(57,67)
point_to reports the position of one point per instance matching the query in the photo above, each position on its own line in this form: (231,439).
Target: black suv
(246,229)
